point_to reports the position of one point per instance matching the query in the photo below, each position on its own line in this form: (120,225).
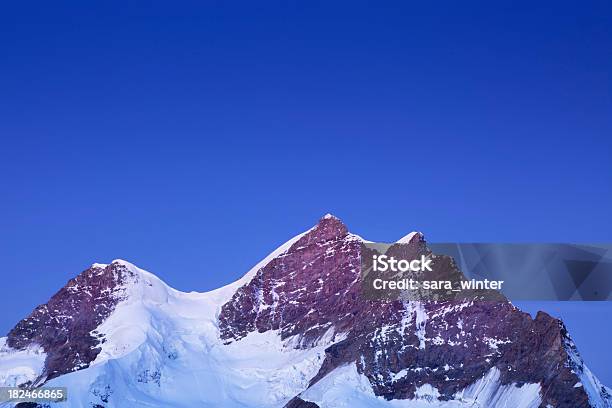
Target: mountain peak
(331,219)
(329,227)
(72,314)
(410,238)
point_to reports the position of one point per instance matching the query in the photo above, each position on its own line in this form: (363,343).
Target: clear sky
(191,139)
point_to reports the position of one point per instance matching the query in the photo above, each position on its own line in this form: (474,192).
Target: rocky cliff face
(309,292)
(65,327)
(313,292)
(309,295)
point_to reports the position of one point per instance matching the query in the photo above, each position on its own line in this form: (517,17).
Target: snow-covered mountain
(293,332)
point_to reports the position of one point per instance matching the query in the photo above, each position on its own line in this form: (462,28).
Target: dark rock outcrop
(64,326)
(297,402)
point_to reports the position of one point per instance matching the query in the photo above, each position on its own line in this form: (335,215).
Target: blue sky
(193,138)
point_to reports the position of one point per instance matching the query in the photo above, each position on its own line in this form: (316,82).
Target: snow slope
(346,387)
(19,366)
